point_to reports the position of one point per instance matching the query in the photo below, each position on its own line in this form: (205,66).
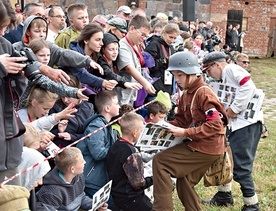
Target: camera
(216,39)
(31,70)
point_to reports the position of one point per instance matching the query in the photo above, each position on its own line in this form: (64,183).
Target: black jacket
(161,63)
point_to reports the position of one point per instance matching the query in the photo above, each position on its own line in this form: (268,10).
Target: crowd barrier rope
(70,145)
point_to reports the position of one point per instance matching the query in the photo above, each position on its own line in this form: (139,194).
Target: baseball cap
(124,9)
(119,23)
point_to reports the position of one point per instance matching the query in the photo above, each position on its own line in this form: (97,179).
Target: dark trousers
(244,143)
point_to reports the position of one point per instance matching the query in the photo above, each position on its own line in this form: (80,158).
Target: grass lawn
(263,72)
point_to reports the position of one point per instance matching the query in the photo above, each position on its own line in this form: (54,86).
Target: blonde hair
(31,136)
(129,122)
(74,8)
(40,95)
(67,158)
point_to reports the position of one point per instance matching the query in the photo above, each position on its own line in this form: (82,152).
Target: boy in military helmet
(203,121)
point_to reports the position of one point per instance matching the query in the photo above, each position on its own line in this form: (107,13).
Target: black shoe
(220,199)
(254,207)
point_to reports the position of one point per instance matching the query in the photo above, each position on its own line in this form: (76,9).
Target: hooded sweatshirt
(57,194)
(59,56)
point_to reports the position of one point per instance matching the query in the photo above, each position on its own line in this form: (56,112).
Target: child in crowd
(125,168)
(130,59)
(123,109)
(78,18)
(30,156)
(63,187)
(109,54)
(156,112)
(204,121)
(95,147)
(68,131)
(38,104)
(42,51)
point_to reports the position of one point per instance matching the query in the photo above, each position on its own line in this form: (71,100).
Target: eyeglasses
(141,33)
(245,62)
(59,16)
(207,69)
(101,24)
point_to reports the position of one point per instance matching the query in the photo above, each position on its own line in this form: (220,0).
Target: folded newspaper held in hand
(227,93)
(155,136)
(101,196)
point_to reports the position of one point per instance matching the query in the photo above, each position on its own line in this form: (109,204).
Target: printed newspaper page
(226,94)
(157,137)
(101,196)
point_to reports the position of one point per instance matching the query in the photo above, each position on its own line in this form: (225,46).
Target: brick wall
(257,13)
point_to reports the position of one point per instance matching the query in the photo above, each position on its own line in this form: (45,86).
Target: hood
(30,157)
(76,46)
(27,23)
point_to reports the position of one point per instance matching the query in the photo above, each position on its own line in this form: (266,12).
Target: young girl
(38,105)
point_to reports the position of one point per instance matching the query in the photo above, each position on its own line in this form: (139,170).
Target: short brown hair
(67,158)
(139,22)
(104,98)
(75,7)
(129,122)
(37,44)
(156,107)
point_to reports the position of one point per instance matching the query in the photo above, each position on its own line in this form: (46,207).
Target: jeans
(244,143)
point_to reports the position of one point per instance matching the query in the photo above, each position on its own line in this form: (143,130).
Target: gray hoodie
(59,56)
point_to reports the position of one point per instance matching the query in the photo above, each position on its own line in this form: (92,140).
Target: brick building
(256,17)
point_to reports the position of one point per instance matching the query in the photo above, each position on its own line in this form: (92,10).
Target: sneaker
(220,199)
(254,207)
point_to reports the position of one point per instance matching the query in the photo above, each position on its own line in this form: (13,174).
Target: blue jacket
(82,74)
(15,35)
(94,150)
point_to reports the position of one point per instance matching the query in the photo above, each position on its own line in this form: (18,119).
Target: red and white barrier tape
(70,145)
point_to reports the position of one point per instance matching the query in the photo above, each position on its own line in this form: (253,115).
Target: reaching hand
(62,125)
(12,64)
(81,96)
(45,138)
(56,75)
(133,85)
(66,113)
(95,65)
(66,136)
(149,88)
(109,85)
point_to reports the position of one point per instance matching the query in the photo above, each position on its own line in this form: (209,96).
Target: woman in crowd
(161,49)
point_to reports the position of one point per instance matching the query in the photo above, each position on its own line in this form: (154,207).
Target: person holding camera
(10,133)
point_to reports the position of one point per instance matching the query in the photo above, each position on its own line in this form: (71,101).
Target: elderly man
(123,12)
(56,20)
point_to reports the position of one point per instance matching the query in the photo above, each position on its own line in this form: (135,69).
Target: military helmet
(185,62)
